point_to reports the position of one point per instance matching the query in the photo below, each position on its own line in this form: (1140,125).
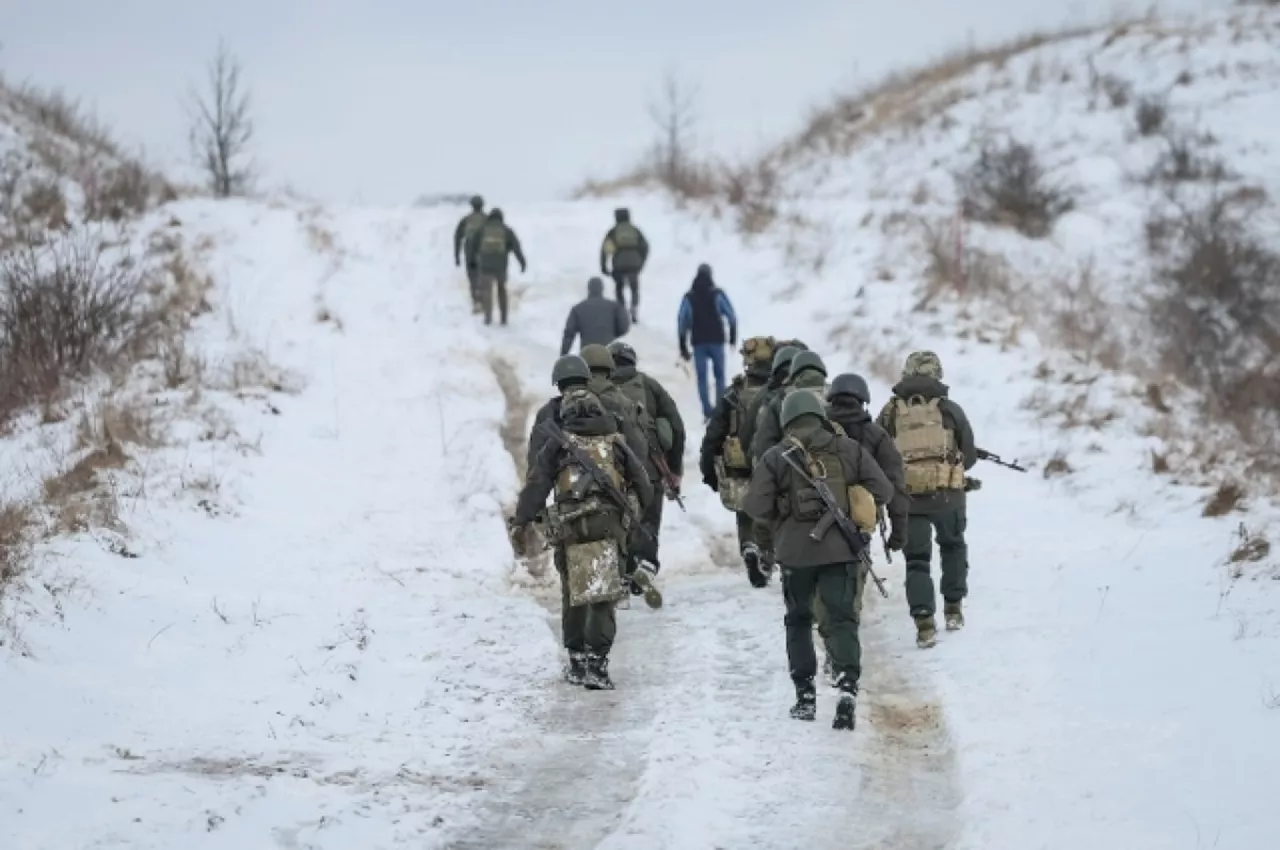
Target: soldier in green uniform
(626,246)
(488,248)
(470,223)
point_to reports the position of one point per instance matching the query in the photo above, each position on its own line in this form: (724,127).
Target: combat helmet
(570,369)
(806,360)
(923,364)
(801,404)
(580,403)
(598,358)
(623,353)
(782,358)
(758,351)
(850,384)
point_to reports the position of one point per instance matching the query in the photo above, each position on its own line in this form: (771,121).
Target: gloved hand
(523,267)
(520,535)
(684,352)
(733,336)
(972,484)
(897,537)
(457,261)
(603,270)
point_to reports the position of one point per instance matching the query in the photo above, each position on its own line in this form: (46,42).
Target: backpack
(583,507)
(472,223)
(626,237)
(735,456)
(927,445)
(492,251)
(854,500)
(634,389)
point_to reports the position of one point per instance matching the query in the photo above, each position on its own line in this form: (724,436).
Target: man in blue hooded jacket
(704,312)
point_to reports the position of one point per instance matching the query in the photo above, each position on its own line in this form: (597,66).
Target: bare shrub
(117,193)
(44,207)
(753,191)
(1159,463)
(1057,465)
(15,540)
(222,126)
(1183,161)
(62,115)
(1081,318)
(1117,90)
(1252,547)
(1006,185)
(1216,314)
(64,312)
(1228,497)
(1150,113)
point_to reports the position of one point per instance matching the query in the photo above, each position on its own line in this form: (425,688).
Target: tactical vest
(854,500)
(927,445)
(733,452)
(626,248)
(492,252)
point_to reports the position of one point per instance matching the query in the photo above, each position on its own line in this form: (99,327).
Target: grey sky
(382,100)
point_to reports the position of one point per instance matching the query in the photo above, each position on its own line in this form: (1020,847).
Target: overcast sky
(382,100)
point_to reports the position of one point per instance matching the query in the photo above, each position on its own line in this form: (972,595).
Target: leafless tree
(673,113)
(221,126)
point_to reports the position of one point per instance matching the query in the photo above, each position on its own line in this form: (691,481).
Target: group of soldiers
(487,243)
(795,456)
(800,461)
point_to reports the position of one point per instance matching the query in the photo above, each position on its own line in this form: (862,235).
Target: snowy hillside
(293,618)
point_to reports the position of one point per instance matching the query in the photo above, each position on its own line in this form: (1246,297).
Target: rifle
(669,485)
(836,517)
(602,480)
(983,454)
(884,537)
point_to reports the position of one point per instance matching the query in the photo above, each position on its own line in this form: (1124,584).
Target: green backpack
(492,253)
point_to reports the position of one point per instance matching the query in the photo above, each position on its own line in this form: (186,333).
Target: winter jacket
(541,479)
(954,417)
(856,422)
(755,410)
(495,264)
(626,260)
(659,404)
(470,223)
(703,313)
(596,320)
(768,498)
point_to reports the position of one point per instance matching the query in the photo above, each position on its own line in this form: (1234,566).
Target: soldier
(847,401)
(590,470)
(783,352)
(488,249)
(807,372)
(825,567)
(629,249)
(724,461)
(595,320)
(663,429)
(602,366)
(936,442)
(470,223)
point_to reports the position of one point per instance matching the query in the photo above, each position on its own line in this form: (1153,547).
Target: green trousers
(836,586)
(585,628)
(949,524)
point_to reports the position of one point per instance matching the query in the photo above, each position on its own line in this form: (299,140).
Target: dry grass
(1007,186)
(15,541)
(1229,496)
(1057,465)
(1252,547)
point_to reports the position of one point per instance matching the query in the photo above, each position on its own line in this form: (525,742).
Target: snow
(327,644)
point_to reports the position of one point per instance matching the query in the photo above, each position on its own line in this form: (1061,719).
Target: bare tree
(221,126)
(674,116)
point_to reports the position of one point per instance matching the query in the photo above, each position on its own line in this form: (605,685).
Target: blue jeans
(712,352)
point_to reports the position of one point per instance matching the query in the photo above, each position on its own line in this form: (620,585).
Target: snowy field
(315,636)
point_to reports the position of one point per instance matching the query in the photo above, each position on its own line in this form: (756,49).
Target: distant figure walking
(488,249)
(703,314)
(629,250)
(595,320)
(470,223)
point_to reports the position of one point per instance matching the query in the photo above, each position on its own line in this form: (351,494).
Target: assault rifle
(598,475)
(983,454)
(884,536)
(669,484)
(834,516)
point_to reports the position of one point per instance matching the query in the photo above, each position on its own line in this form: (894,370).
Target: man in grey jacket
(596,320)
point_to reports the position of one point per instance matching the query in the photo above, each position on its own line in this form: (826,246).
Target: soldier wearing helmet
(467,226)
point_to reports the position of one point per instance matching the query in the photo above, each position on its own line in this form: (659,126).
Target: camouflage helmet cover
(579,403)
(923,364)
(623,353)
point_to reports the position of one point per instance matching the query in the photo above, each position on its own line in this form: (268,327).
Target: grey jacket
(595,321)
(768,497)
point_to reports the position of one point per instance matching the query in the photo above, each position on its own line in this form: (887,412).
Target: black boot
(845,707)
(596,677)
(806,707)
(576,670)
(756,573)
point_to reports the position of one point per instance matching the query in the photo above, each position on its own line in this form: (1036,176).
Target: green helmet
(782,358)
(477,202)
(598,358)
(806,360)
(924,364)
(622,353)
(801,404)
(794,343)
(569,368)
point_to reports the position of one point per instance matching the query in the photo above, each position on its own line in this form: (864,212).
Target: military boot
(576,670)
(954,616)
(926,631)
(845,708)
(596,677)
(757,574)
(643,579)
(806,707)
